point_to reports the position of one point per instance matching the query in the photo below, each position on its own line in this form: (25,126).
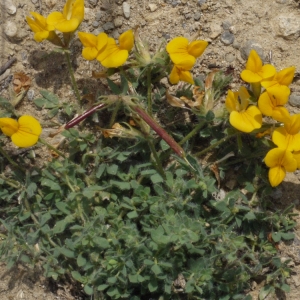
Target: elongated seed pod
(160,131)
(83,116)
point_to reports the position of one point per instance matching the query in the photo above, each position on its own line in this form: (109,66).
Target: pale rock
(153,7)
(215,31)
(10,29)
(126,10)
(51,3)
(9,6)
(287,25)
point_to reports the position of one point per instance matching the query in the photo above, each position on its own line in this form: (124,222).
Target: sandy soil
(271,24)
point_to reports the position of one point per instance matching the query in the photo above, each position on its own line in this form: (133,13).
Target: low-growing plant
(133,211)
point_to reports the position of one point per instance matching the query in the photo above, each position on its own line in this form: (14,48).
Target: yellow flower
(242,116)
(279,161)
(24,133)
(92,44)
(181,50)
(271,102)
(255,71)
(296,155)
(288,137)
(114,56)
(182,72)
(39,26)
(281,79)
(70,19)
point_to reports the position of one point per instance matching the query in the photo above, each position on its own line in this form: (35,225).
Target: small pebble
(200,2)
(10,29)
(248,46)
(30,94)
(197,16)
(98,16)
(227,38)
(294,99)
(118,21)
(229,57)
(93,2)
(108,26)
(95,24)
(226,25)
(51,3)
(9,7)
(153,7)
(126,10)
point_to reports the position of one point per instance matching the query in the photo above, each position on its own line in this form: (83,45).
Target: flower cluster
(65,22)
(24,133)
(184,54)
(270,102)
(105,49)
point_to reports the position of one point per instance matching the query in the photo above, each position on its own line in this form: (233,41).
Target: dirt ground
(230,26)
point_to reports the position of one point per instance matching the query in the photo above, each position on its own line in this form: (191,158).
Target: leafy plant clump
(130,211)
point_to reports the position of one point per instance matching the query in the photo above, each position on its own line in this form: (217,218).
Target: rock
(248,46)
(93,2)
(108,26)
(281,1)
(10,29)
(215,31)
(30,94)
(51,3)
(98,16)
(197,16)
(229,57)
(227,38)
(95,24)
(226,25)
(126,10)
(153,7)
(287,26)
(118,21)
(294,99)
(200,2)
(9,7)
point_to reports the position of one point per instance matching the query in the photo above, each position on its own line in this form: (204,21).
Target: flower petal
(196,48)
(254,62)
(112,56)
(102,39)
(267,71)
(87,39)
(285,76)
(276,175)
(126,40)
(250,77)
(89,53)
(8,126)
(231,102)
(174,76)
(293,124)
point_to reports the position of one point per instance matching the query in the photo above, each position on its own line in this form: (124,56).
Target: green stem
(149,98)
(157,160)
(216,144)
(52,148)
(3,152)
(114,114)
(12,183)
(74,84)
(192,133)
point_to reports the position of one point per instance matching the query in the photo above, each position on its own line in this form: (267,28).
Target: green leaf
(88,290)
(114,87)
(286,288)
(77,276)
(63,207)
(121,185)
(112,279)
(102,287)
(152,285)
(67,252)
(157,234)
(132,214)
(53,112)
(288,236)
(133,278)
(31,189)
(51,184)
(81,261)
(276,236)
(102,242)
(112,169)
(45,218)
(50,97)
(156,269)
(156,178)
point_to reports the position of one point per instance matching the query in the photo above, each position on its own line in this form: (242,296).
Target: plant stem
(74,84)
(157,160)
(224,139)
(3,152)
(52,148)
(149,99)
(114,114)
(12,183)
(192,133)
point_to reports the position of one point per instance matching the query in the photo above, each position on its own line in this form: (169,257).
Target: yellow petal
(285,76)
(28,132)
(8,126)
(276,175)
(89,53)
(244,96)
(254,62)
(102,39)
(40,36)
(174,76)
(231,102)
(54,18)
(186,76)
(280,94)
(112,56)
(67,25)
(196,48)
(283,139)
(250,77)
(296,155)
(280,114)
(293,125)
(87,39)
(267,71)
(281,157)
(78,10)
(126,40)
(246,121)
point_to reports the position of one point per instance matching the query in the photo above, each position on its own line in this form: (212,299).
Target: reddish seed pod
(83,116)
(160,131)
